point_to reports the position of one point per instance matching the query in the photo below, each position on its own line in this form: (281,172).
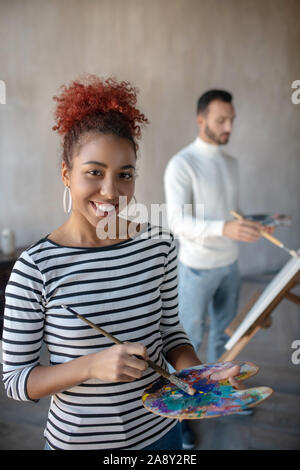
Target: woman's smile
(104,209)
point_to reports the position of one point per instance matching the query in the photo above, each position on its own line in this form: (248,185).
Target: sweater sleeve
(172,332)
(179,198)
(23,326)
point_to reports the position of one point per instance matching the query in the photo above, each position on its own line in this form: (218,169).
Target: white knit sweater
(206,178)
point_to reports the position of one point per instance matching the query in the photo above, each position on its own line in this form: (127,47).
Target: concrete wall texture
(172,50)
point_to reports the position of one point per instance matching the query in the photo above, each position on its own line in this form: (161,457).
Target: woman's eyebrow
(124,167)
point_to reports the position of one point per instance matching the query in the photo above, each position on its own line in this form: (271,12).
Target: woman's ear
(65,174)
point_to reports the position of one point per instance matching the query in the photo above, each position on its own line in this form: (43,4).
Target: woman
(125,283)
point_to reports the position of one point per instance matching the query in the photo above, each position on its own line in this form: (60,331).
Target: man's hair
(211,95)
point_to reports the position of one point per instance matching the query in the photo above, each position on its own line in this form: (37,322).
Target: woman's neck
(78,233)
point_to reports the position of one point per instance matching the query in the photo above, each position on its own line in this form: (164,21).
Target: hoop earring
(67,193)
(133,206)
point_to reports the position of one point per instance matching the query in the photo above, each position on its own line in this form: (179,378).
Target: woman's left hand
(230,371)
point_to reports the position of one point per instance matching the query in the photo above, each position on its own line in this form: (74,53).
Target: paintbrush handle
(154,366)
(268,237)
(172,378)
(236,215)
(264,234)
(159,369)
(96,327)
(272,239)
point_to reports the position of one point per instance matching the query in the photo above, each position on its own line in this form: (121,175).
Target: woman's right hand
(114,364)
(118,363)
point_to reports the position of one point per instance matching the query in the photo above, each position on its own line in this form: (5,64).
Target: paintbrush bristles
(191,391)
(182,385)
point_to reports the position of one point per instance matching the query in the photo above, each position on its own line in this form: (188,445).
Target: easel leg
(243,341)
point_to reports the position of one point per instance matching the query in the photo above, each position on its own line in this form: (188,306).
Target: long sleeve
(184,221)
(201,189)
(172,332)
(23,326)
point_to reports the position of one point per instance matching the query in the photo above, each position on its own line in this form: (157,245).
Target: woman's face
(103,170)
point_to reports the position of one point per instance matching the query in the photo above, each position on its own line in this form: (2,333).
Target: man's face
(216,123)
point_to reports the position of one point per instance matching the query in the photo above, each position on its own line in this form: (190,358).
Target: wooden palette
(213,398)
(271,220)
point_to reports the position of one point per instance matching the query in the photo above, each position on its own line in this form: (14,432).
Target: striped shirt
(129,289)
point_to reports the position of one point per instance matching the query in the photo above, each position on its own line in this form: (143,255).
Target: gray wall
(172,50)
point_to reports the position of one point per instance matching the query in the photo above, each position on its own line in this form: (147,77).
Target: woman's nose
(108,188)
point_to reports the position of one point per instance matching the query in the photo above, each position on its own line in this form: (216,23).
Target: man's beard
(216,139)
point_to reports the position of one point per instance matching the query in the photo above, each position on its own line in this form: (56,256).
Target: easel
(263,321)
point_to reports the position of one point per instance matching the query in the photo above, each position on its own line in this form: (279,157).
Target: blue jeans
(208,291)
(170,441)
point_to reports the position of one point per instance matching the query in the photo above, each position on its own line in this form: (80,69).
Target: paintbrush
(269,237)
(171,377)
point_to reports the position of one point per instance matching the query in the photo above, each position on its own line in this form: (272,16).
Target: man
(204,176)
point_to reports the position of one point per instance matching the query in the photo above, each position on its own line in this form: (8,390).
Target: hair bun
(91,96)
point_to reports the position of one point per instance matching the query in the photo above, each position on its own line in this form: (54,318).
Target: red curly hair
(92,105)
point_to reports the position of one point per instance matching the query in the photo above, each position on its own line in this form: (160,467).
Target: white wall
(172,50)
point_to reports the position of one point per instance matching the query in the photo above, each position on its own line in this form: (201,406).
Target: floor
(275,423)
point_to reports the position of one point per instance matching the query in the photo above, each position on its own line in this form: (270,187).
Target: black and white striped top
(130,289)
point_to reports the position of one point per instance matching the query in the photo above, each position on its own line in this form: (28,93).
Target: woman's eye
(94,172)
(123,176)
(126,176)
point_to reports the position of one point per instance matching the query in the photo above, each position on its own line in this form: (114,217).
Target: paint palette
(212,399)
(270,220)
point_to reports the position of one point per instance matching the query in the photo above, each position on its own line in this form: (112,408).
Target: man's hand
(243,230)
(269,229)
